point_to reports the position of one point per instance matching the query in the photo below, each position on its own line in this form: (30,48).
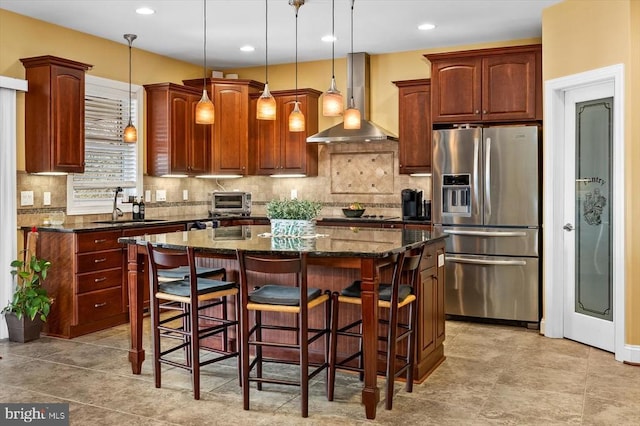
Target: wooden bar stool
(187,298)
(283,289)
(392,297)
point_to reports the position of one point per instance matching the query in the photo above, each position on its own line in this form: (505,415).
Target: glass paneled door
(588,310)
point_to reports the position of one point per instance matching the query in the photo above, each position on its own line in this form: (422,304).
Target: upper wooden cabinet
(176,145)
(276,150)
(414,144)
(501,84)
(54,115)
(230,133)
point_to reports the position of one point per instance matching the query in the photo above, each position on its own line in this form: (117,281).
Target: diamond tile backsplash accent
(362,172)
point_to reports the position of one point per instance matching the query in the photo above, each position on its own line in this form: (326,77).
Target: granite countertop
(105,225)
(329,241)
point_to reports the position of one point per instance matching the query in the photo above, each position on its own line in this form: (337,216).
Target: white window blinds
(109,162)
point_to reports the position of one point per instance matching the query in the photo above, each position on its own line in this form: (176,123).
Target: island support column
(136,305)
(370,281)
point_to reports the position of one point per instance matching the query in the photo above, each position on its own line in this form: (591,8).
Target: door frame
(553,196)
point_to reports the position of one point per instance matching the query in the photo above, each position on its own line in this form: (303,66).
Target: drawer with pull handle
(99,304)
(429,257)
(96,261)
(92,281)
(95,241)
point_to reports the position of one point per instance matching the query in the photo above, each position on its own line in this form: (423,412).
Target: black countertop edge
(174,220)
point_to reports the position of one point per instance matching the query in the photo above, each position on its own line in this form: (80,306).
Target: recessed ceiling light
(247,48)
(329,38)
(145,11)
(425,27)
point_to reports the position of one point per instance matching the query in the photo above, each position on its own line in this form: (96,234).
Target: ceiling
(380,26)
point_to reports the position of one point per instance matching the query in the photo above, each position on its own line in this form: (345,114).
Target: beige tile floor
(492,375)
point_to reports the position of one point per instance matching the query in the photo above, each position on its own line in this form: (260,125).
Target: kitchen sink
(128,222)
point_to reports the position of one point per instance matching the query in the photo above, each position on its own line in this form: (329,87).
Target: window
(109,162)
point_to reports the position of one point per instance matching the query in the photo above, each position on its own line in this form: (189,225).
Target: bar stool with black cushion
(187,299)
(402,292)
(279,285)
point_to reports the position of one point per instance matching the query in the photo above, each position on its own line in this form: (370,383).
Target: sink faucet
(116,211)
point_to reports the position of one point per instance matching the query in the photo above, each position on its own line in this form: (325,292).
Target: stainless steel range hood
(368,131)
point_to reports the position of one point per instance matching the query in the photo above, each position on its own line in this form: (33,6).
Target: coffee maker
(412,204)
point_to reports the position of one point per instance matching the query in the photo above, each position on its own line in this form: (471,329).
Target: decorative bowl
(353,212)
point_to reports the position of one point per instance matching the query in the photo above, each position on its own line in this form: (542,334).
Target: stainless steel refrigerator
(486,196)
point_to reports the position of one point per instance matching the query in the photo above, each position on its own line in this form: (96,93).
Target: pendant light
(332,103)
(352,114)
(296,118)
(130,134)
(205,113)
(266,106)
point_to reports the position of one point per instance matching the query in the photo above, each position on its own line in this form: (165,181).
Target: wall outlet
(185,194)
(147,196)
(161,195)
(46,200)
(294,194)
(26,198)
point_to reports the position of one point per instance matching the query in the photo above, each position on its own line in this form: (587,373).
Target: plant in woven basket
(30,298)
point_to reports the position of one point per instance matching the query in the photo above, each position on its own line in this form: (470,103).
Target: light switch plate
(26,198)
(440,260)
(46,199)
(294,194)
(185,194)
(161,195)
(147,196)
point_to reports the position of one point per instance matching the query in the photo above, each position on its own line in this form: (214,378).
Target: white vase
(293,228)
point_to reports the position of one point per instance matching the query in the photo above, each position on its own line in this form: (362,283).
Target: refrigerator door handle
(476,156)
(461,259)
(487,179)
(486,233)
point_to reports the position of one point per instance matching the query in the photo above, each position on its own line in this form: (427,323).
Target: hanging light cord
(296,55)
(204,65)
(352,103)
(129,40)
(266,44)
(333,35)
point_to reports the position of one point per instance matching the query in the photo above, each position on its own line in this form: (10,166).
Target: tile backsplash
(347,172)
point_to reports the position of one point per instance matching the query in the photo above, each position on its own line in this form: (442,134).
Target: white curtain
(8,196)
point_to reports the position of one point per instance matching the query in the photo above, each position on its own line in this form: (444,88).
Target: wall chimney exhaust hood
(368,131)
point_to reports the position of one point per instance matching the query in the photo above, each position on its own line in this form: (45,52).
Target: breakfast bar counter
(337,255)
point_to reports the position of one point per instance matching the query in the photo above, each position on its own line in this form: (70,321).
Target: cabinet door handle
(99,280)
(100,305)
(484,111)
(477,112)
(100,260)
(100,241)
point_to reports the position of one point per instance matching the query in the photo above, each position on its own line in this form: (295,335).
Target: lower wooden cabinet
(86,278)
(430,331)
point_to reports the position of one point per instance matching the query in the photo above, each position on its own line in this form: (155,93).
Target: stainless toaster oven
(230,203)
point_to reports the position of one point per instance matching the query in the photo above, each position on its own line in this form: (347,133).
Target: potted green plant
(30,305)
(294,217)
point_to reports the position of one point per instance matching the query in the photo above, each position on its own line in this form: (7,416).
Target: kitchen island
(336,257)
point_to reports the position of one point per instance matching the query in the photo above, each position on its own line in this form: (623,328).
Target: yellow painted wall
(578,36)
(23,37)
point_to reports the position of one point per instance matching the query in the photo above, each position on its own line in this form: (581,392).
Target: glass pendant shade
(205,113)
(266,106)
(332,101)
(352,117)
(130,133)
(296,119)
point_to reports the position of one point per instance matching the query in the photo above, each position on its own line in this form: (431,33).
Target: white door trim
(553,196)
